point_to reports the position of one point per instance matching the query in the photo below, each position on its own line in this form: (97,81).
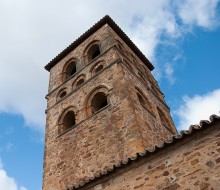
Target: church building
(108,126)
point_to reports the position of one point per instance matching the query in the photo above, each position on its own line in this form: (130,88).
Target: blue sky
(181,39)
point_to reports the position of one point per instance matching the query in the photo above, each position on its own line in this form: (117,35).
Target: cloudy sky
(181,39)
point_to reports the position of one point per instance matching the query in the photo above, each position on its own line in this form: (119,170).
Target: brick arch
(98,90)
(60,93)
(96,66)
(69,69)
(90,50)
(77,82)
(61,123)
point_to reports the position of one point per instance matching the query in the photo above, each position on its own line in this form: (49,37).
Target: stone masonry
(192,162)
(104,106)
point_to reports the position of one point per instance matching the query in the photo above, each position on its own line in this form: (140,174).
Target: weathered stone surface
(192,166)
(135,118)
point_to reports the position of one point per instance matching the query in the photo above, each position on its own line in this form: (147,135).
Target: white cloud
(169,73)
(23,188)
(7,182)
(31,36)
(197,12)
(198,107)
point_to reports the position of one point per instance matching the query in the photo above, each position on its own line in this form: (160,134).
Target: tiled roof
(183,134)
(94,28)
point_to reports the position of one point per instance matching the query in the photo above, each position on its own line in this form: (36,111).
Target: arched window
(79,82)
(70,70)
(99,101)
(99,68)
(62,93)
(68,121)
(93,52)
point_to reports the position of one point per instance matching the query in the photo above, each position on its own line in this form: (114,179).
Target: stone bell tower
(103,105)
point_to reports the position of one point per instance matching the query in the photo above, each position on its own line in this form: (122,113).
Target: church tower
(103,105)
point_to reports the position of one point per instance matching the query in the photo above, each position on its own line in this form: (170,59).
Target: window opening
(99,68)
(71,69)
(69,120)
(62,94)
(99,101)
(93,52)
(80,82)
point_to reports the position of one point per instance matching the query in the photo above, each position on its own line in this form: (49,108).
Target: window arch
(79,81)
(66,121)
(97,67)
(97,100)
(69,69)
(62,93)
(92,51)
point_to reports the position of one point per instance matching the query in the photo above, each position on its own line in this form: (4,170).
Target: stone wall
(121,129)
(192,162)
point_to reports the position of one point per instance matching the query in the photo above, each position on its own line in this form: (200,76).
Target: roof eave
(105,20)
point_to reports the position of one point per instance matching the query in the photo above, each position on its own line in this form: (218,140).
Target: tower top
(105,20)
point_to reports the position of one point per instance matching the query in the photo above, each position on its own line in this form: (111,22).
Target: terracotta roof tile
(183,134)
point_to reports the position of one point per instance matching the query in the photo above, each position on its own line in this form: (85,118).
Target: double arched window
(97,100)
(92,51)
